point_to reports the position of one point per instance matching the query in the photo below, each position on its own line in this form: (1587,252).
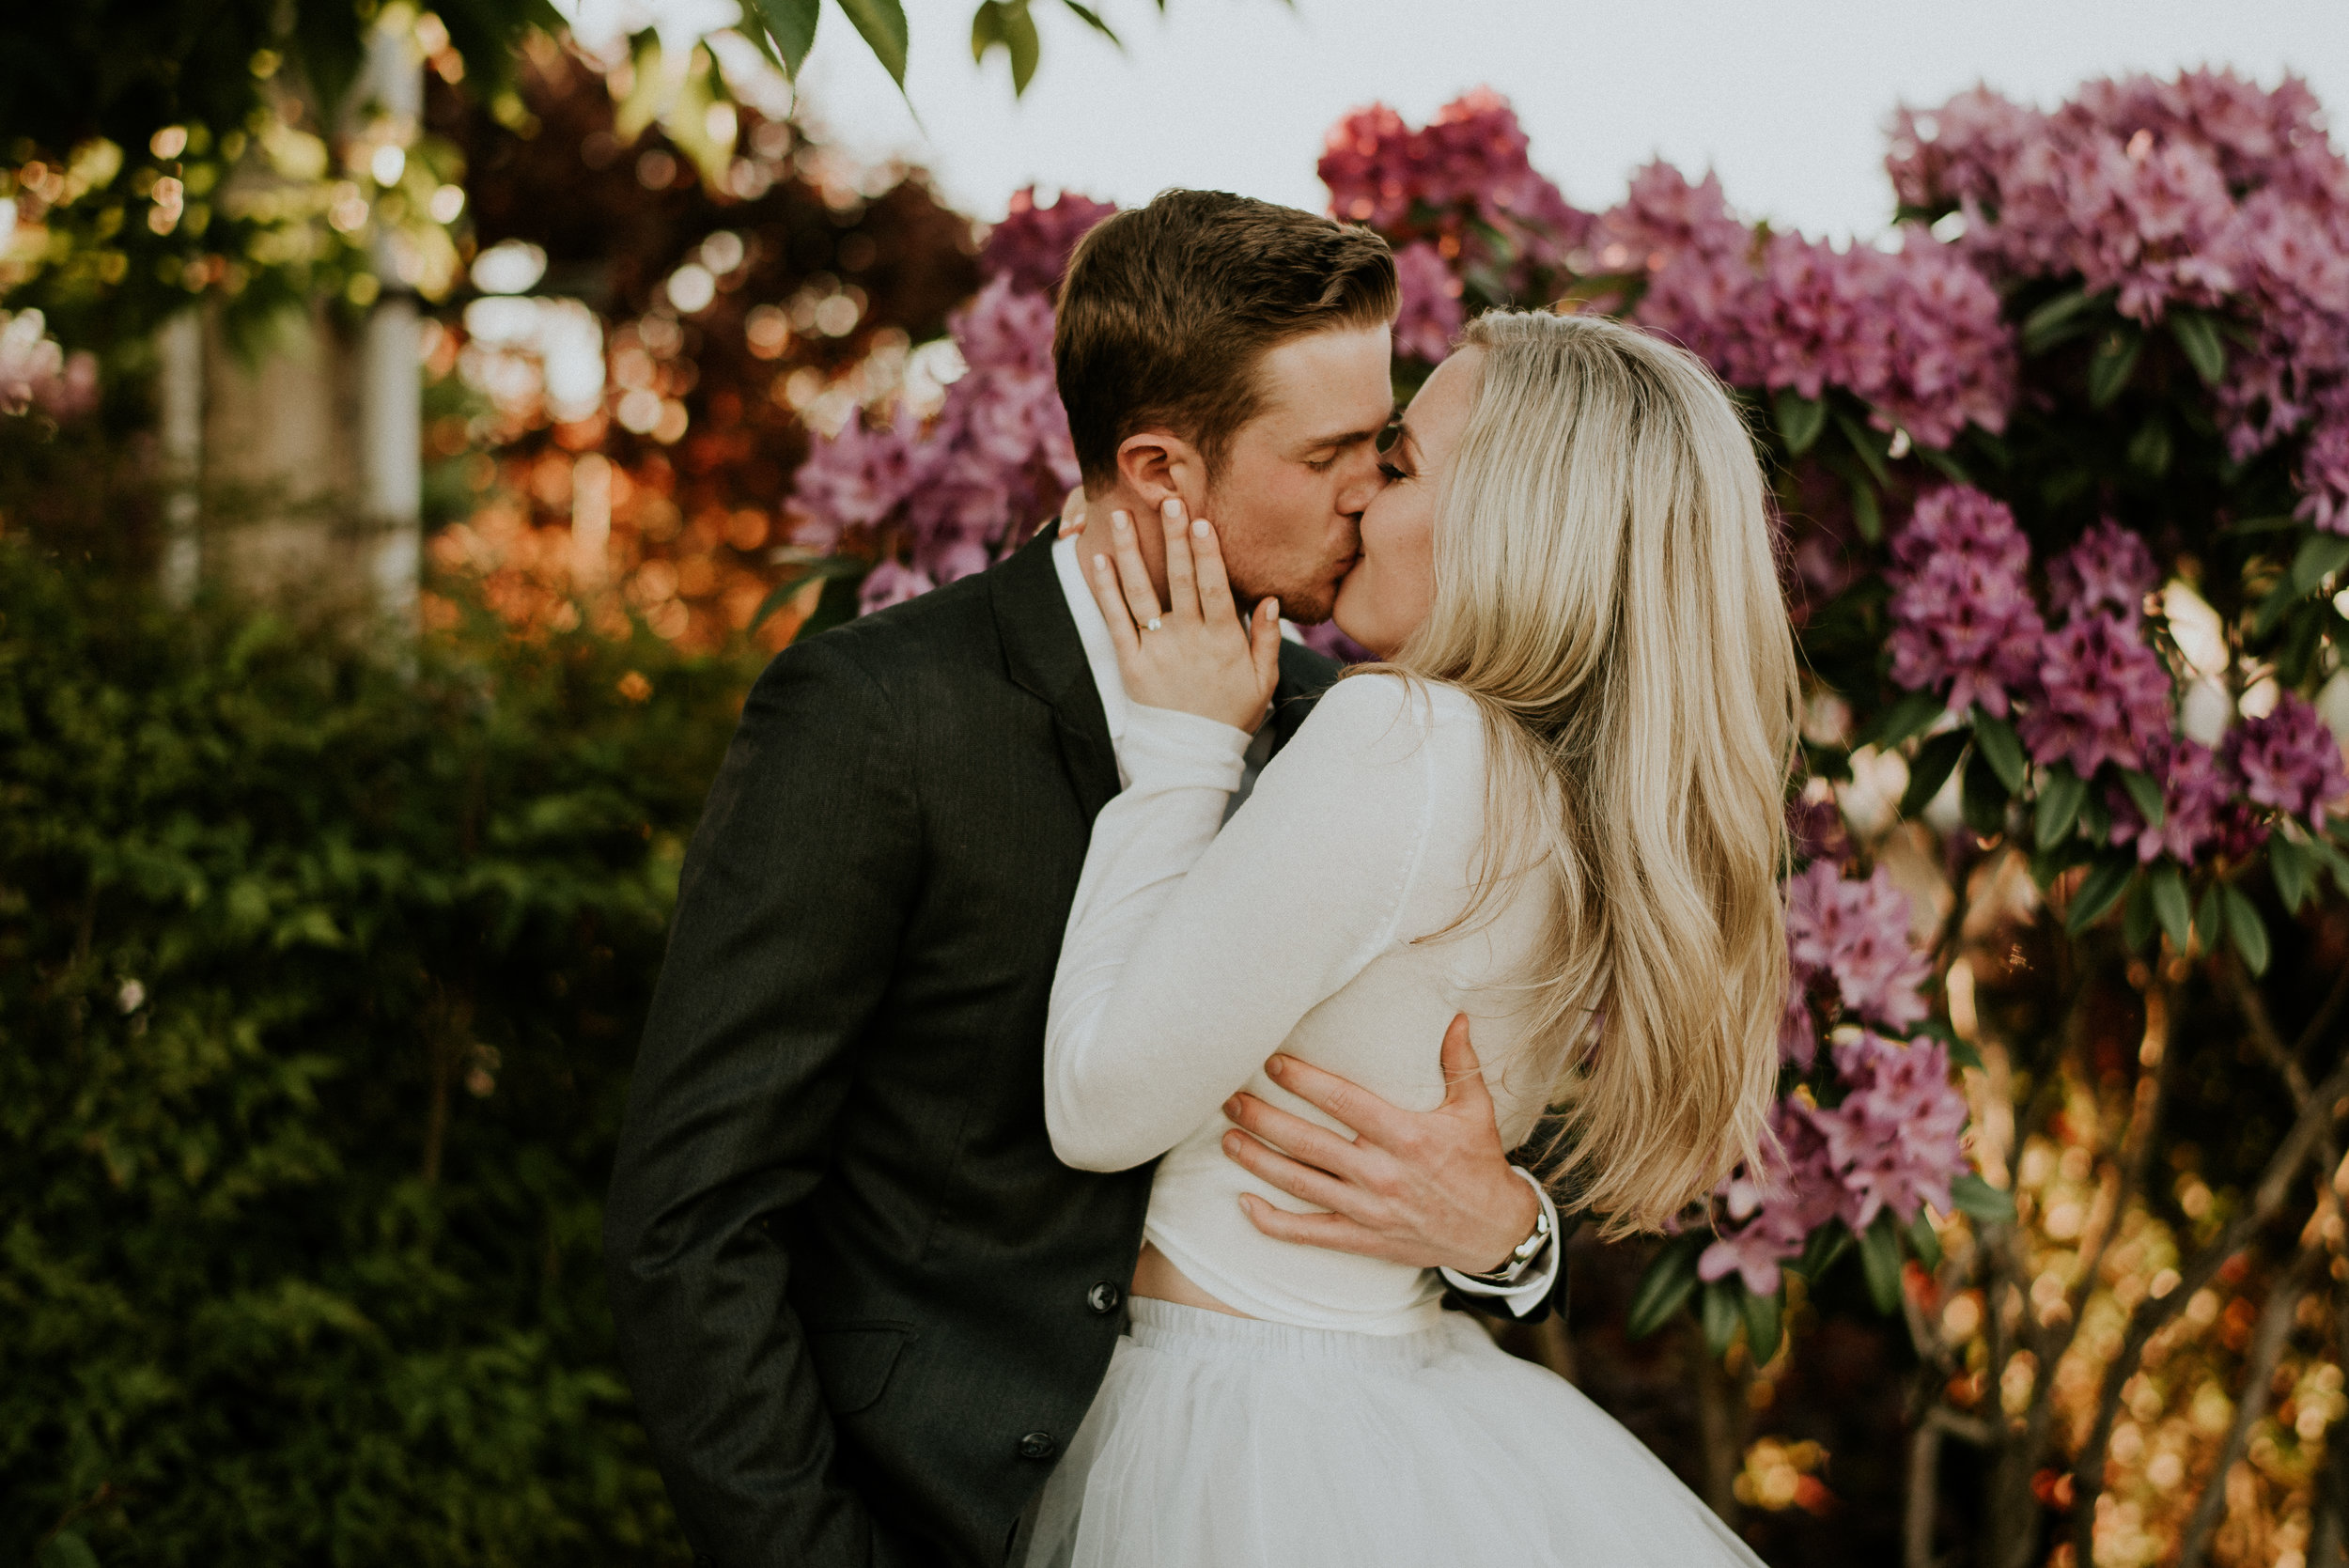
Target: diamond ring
(1153,625)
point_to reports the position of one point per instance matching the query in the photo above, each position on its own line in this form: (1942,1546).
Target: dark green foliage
(318,988)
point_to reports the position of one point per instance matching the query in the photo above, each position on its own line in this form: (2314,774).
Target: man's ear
(1155,464)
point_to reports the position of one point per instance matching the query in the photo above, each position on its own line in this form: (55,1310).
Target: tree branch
(2154,1315)
(2267,1343)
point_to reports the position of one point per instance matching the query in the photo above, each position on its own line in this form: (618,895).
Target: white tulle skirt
(1225,1442)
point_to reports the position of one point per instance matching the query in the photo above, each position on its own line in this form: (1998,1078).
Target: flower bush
(2062,466)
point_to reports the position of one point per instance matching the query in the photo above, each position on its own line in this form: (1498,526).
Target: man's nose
(1361,486)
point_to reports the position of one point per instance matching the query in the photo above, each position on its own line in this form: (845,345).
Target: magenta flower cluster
(1432,314)
(1459,180)
(2206,192)
(946,499)
(1892,1143)
(1962,621)
(1915,334)
(1848,952)
(2287,760)
(1032,245)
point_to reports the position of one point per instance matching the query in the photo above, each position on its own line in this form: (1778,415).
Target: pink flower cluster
(1032,245)
(1891,1143)
(1847,949)
(945,501)
(1962,621)
(2102,697)
(1432,315)
(1915,334)
(2206,193)
(37,374)
(2109,571)
(2289,760)
(1463,176)
(2197,804)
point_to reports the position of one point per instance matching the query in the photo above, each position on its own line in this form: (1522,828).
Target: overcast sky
(1786,98)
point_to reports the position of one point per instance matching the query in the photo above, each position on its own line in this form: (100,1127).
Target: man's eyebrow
(1349,438)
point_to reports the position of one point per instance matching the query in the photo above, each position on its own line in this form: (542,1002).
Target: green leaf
(1762,1324)
(2204,349)
(884,24)
(2138,924)
(1866,514)
(1799,419)
(2278,523)
(1006,24)
(2060,792)
(826,569)
(1664,1289)
(2144,795)
(2114,362)
(1978,1200)
(2320,557)
(1936,760)
(66,1549)
(1923,1241)
(1996,742)
(2247,929)
(1880,1257)
(2149,450)
(2291,867)
(1947,466)
(2055,321)
(1819,1253)
(2169,904)
(2096,821)
(2332,858)
(1870,444)
(2210,918)
(1719,1311)
(1894,724)
(1963,1054)
(1981,798)
(2099,891)
(792,25)
(1092,18)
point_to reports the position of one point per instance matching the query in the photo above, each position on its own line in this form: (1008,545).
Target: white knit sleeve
(1190,955)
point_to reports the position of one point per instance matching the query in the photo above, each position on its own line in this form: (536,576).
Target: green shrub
(320,982)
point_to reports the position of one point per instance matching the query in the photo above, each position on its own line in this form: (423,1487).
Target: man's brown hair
(1167,309)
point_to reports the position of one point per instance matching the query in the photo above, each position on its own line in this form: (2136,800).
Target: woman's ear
(1156,464)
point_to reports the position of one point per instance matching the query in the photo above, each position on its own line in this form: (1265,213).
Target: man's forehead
(1335,382)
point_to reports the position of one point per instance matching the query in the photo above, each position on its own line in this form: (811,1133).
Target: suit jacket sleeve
(794,893)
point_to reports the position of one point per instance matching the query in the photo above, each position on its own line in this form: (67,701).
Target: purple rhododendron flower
(1962,621)
(1032,245)
(2197,785)
(1776,1210)
(2109,571)
(1854,931)
(2104,696)
(2206,193)
(2289,760)
(1894,1141)
(1432,315)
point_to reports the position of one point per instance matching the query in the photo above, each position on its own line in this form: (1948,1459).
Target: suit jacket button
(1104,1297)
(1037,1445)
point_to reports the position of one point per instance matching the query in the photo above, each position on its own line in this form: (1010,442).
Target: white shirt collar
(1094,631)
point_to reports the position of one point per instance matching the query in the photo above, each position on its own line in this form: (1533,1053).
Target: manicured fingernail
(1272,610)
(1172,507)
(1199,528)
(1120,522)
(1275,1065)
(1101,564)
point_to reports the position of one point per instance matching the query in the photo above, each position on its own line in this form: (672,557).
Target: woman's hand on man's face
(1196,654)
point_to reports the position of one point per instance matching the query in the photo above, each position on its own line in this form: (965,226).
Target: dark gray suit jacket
(861,1303)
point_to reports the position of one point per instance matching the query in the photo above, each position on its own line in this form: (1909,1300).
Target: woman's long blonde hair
(1606,588)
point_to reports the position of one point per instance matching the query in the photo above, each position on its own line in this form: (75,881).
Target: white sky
(1786,98)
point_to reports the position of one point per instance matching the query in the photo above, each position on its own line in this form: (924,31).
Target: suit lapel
(1044,658)
(1304,677)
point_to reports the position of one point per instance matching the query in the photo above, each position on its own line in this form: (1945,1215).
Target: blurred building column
(180,399)
(391,376)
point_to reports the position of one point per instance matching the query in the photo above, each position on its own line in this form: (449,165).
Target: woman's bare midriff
(1156,1278)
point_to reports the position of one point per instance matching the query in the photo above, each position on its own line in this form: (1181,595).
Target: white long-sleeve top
(1307,925)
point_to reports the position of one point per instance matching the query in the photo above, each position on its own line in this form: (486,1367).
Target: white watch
(1523,1257)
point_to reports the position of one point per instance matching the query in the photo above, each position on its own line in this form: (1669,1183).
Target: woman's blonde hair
(1606,588)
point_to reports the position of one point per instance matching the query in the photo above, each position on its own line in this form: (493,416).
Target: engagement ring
(1153,625)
